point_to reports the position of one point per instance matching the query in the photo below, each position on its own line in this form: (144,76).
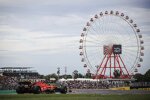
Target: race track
(105,92)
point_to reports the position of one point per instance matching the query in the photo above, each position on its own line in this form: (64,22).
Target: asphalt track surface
(106,92)
(99,91)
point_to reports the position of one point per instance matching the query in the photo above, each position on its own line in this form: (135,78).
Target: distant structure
(19,72)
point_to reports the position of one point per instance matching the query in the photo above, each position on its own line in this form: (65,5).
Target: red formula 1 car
(40,87)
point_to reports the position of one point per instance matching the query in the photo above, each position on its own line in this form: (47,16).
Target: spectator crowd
(93,84)
(86,85)
(8,83)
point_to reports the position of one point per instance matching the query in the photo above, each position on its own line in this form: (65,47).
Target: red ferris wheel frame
(118,63)
(109,57)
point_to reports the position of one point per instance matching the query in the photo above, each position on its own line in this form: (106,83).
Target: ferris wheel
(111,45)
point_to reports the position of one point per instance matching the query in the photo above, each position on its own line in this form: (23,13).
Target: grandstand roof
(15,67)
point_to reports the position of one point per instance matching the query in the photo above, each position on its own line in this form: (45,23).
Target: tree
(75,74)
(143,78)
(41,76)
(117,73)
(66,76)
(139,77)
(147,76)
(88,74)
(47,77)
(80,75)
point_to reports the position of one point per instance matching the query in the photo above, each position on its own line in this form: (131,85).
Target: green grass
(74,97)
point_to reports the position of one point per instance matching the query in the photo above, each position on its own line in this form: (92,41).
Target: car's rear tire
(36,90)
(20,90)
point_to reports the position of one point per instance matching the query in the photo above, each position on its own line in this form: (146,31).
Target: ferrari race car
(40,87)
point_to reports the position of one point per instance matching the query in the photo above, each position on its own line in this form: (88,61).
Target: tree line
(138,76)
(143,77)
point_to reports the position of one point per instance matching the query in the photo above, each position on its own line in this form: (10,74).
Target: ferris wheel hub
(112,49)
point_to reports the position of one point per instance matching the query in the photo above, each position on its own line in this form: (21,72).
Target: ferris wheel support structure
(119,38)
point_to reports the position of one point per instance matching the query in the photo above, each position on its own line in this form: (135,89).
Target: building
(19,72)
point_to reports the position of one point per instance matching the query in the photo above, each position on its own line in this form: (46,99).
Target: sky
(45,34)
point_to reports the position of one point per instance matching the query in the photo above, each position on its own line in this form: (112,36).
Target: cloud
(41,2)
(36,7)
(37,31)
(49,34)
(24,40)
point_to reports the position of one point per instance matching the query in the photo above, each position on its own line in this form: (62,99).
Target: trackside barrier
(120,88)
(144,89)
(8,92)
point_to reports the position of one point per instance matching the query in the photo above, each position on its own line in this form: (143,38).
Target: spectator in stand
(8,83)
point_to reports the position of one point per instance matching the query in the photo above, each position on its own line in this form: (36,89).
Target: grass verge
(74,97)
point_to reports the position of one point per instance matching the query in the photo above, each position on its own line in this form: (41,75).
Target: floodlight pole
(58,72)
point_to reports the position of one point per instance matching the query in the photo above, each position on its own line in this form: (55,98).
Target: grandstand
(20,72)
(10,76)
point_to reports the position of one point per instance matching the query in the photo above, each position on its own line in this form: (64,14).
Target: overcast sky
(45,34)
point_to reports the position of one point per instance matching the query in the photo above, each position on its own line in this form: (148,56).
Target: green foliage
(143,78)
(139,77)
(66,76)
(41,76)
(74,97)
(116,73)
(88,74)
(47,77)
(75,74)
(147,76)
(80,75)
